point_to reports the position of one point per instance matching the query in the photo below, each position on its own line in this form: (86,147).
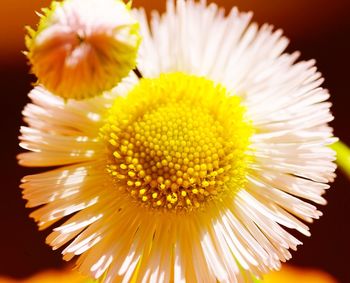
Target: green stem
(343,156)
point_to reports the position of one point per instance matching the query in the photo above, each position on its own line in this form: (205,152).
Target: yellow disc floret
(177,142)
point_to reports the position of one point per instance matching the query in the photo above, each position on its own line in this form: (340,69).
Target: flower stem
(343,156)
(138,73)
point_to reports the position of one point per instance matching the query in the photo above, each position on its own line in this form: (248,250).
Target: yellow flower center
(177,142)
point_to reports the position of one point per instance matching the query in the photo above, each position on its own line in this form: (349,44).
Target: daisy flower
(194,172)
(83,47)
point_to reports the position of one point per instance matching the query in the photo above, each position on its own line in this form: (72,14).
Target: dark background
(320,29)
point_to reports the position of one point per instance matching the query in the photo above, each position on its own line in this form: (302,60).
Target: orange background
(320,29)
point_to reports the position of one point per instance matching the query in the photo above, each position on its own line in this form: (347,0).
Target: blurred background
(320,29)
